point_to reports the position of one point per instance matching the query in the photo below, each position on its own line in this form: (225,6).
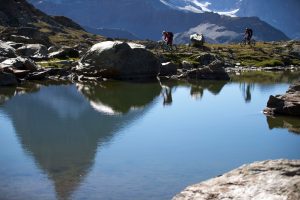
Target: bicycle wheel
(174,47)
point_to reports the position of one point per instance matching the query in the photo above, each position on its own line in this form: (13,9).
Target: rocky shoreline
(273,179)
(110,60)
(287,104)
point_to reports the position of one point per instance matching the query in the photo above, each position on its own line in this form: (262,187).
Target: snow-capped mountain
(148,18)
(283,15)
(226,7)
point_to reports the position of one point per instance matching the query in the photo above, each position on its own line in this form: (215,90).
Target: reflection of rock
(7,79)
(291,123)
(61,131)
(197,92)
(287,104)
(277,179)
(120,97)
(215,87)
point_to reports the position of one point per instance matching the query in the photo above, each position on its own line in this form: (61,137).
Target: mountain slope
(148,18)
(284,15)
(21,22)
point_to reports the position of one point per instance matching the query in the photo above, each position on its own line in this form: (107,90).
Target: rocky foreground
(275,179)
(287,104)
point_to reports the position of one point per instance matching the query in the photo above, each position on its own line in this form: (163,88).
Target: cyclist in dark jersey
(248,34)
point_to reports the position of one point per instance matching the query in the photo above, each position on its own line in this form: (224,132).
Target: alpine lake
(146,141)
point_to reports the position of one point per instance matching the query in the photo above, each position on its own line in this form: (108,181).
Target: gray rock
(120,60)
(7,51)
(276,180)
(34,51)
(206,58)
(187,65)
(64,53)
(14,44)
(53,49)
(197,40)
(7,79)
(296,50)
(287,104)
(40,75)
(168,69)
(19,63)
(215,71)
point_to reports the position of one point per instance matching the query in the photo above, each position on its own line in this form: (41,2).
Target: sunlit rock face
(62,129)
(275,179)
(120,60)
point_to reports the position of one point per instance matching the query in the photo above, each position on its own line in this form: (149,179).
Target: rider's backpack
(171,34)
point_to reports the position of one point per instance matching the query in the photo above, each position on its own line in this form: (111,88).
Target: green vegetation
(265,77)
(56,62)
(67,36)
(264,54)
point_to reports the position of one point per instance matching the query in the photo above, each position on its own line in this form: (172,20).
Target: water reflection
(290,123)
(61,130)
(246,89)
(197,88)
(119,98)
(63,126)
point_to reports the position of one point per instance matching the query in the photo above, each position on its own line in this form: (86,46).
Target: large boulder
(214,71)
(65,53)
(7,79)
(120,60)
(287,104)
(34,51)
(6,51)
(19,63)
(276,179)
(197,40)
(168,69)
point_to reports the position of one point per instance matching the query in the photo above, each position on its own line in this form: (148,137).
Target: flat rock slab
(272,180)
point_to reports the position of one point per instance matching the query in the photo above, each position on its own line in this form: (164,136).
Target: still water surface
(131,141)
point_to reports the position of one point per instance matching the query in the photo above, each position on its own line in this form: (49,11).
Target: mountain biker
(168,37)
(248,35)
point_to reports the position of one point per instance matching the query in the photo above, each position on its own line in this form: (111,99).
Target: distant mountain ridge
(148,18)
(283,15)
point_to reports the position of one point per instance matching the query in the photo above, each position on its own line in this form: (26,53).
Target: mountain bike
(165,47)
(244,42)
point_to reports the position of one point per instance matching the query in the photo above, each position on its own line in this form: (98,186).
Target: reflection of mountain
(60,129)
(290,123)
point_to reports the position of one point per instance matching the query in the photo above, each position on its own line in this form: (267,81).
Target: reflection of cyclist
(248,35)
(168,37)
(167,94)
